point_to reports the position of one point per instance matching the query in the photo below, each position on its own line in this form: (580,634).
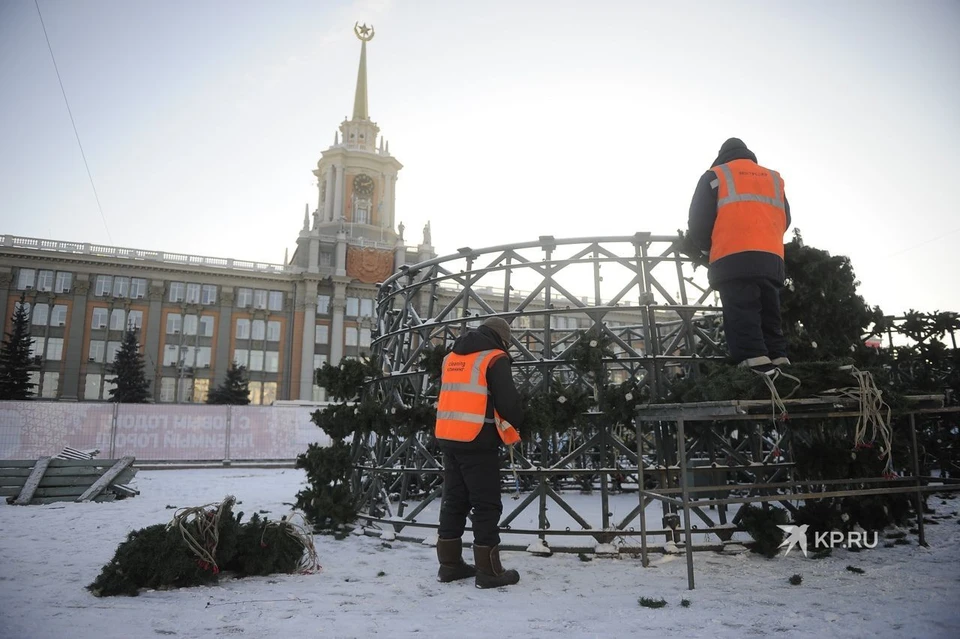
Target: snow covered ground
(48,554)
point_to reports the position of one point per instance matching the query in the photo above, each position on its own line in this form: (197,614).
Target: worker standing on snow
(478,408)
(737,220)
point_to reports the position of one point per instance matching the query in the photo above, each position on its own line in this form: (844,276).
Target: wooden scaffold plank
(107,478)
(33,481)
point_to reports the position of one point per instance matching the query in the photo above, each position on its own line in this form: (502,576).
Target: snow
(48,554)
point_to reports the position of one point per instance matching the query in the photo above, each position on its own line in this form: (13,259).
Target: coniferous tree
(15,360)
(234,389)
(131,380)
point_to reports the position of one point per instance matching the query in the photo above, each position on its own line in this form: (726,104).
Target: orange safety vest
(462,406)
(751,214)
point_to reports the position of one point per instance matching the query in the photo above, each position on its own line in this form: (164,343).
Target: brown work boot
(490,573)
(452,566)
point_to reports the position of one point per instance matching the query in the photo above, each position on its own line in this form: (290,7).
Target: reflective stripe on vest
(462,405)
(751,211)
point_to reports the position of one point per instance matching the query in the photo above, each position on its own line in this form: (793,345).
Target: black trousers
(471,481)
(751,318)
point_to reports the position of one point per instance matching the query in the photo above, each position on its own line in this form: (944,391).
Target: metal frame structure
(648,304)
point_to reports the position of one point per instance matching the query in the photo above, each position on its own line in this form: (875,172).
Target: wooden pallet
(49,480)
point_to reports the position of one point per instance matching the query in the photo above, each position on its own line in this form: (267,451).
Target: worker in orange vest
(478,409)
(737,220)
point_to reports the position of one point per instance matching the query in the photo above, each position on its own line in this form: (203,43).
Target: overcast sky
(202,121)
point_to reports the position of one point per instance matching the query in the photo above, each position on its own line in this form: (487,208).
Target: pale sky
(202,121)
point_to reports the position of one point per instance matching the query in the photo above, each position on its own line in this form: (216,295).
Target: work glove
(687,247)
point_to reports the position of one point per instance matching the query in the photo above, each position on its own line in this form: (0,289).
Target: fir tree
(131,380)
(233,390)
(15,360)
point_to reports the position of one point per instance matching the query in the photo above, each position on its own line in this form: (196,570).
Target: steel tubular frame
(643,297)
(675,417)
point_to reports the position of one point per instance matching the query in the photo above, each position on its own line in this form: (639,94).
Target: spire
(365,34)
(286,256)
(306,217)
(336,138)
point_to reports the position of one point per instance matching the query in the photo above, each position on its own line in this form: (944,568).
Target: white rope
(873,419)
(207,521)
(290,526)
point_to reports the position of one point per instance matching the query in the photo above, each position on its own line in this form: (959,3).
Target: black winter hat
(734,149)
(499,326)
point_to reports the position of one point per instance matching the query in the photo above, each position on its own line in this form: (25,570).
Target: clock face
(363,185)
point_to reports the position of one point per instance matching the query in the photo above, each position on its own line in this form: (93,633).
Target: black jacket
(502,392)
(703,215)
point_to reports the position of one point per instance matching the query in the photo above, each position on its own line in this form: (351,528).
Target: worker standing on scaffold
(738,217)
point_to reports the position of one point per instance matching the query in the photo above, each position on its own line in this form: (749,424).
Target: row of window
(118,286)
(259,299)
(56,281)
(258,330)
(190,324)
(118,319)
(356,307)
(49,348)
(40,314)
(257,360)
(192,356)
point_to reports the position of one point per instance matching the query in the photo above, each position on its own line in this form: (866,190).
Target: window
(365,337)
(26,278)
(64,281)
(121,286)
(323,334)
(186,390)
(45,281)
(109,384)
(319,394)
(98,349)
(117,317)
(91,386)
(260,299)
(256,360)
(273,331)
(353,307)
(276,301)
(104,285)
(243,329)
(269,393)
(202,357)
(39,314)
(323,304)
(206,326)
(200,389)
(58,316)
(193,293)
(271,362)
(257,329)
(99,318)
(240,357)
(51,383)
(244,297)
(138,288)
(255,389)
(168,389)
(351,334)
(55,348)
(112,349)
(208,296)
(171,355)
(177,291)
(363,214)
(366,308)
(189,356)
(190,323)
(174,323)
(36,347)
(135,319)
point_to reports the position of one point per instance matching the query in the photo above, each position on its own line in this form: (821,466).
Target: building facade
(196,315)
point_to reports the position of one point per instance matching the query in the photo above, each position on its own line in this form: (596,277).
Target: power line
(932,239)
(74,124)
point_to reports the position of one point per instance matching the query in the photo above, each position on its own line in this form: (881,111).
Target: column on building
(154,328)
(223,357)
(338,195)
(70,388)
(308,338)
(338,305)
(328,198)
(388,197)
